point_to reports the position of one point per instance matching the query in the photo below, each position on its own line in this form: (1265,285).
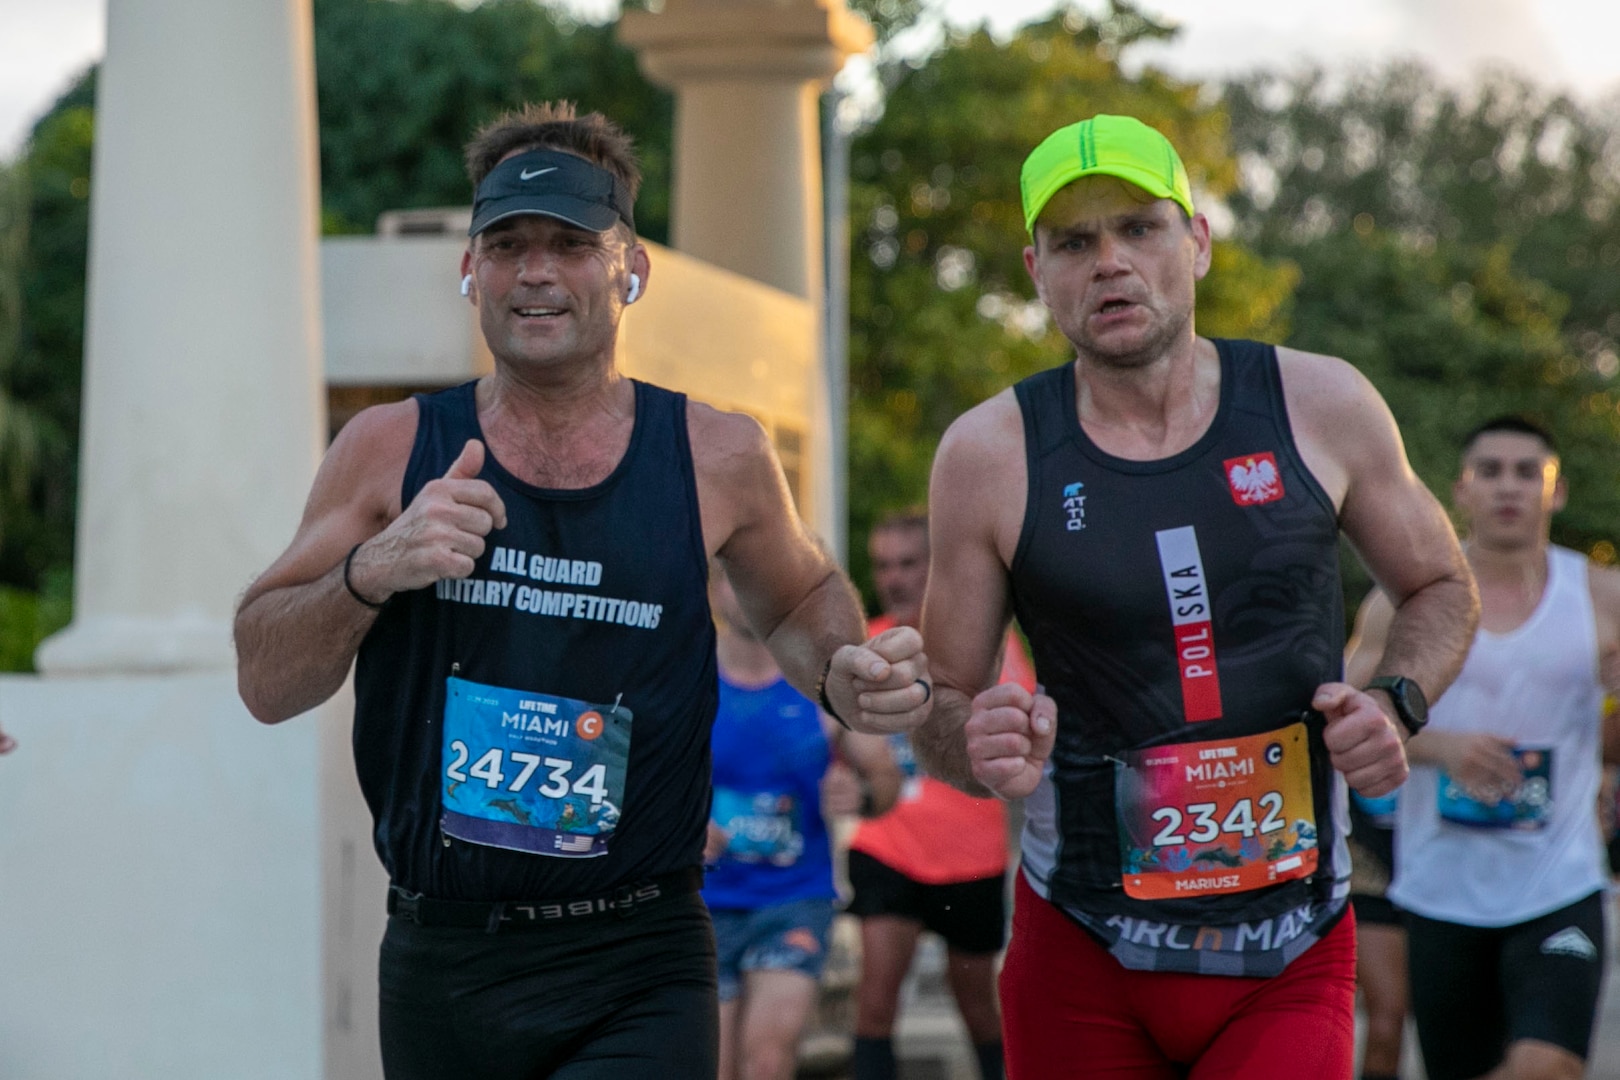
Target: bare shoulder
(985,441)
(742,492)
(368,458)
(1329,396)
(1340,422)
(356,493)
(723,441)
(980,480)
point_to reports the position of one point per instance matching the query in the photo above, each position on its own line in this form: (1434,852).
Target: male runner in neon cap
(1162,515)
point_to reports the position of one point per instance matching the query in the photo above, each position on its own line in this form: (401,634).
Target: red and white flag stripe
(1191,614)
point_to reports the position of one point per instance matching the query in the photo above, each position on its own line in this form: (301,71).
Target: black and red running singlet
(1182,612)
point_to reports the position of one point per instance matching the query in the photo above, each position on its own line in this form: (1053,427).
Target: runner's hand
(1010,733)
(714,845)
(881,687)
(840,791)
(1362,740)
(7,743)
(1484,765)
(440,534)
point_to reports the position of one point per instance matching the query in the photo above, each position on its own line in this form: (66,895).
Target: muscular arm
(297,628)
(976,503)
(1396,525)
(795,596)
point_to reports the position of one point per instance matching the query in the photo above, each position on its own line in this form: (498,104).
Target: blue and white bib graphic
(905,758)
(1526,808)
(764,826)
(1380,809)
(532,772)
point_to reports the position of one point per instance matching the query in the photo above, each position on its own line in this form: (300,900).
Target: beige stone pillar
(203,409)
(747,192)
(747,75)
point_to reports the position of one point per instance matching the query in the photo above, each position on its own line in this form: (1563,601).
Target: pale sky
(1569,43)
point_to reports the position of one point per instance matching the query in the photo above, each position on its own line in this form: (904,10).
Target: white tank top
(1537,685)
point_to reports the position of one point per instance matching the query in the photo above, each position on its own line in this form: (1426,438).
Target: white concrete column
(203,402)
(747,192)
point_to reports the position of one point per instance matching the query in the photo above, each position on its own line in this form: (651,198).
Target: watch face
(1410,697)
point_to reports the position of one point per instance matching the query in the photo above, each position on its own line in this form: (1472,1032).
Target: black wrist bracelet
(347,584)
(821,696)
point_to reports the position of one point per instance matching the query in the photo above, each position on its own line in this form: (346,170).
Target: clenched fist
(440,535)
(1010,733)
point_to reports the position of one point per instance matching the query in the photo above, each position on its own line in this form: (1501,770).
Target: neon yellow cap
(1119,146)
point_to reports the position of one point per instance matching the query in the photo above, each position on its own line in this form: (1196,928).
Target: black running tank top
(1188,598)
(594,596)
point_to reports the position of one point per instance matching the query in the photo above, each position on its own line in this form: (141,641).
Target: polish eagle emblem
(1254,479)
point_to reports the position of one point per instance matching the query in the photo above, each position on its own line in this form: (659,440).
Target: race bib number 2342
(1209,818)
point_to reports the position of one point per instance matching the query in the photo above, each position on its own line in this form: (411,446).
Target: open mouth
(1113,307)
(540,312)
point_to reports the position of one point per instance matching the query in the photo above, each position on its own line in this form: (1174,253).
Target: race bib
(1209,818)
(1527,808)
(905,758)
(764,826)
(532,772)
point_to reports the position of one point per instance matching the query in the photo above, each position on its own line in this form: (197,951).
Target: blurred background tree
(1458,244)
(403,84)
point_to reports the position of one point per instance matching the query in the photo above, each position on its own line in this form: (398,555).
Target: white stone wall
(160,894)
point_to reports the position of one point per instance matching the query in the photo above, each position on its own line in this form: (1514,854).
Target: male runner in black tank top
(520,565)
(1161,515)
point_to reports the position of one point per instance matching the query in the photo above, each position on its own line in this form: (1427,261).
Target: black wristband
(347,584)
(821,696)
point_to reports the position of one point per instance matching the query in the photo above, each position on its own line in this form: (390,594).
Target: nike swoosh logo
(526,175)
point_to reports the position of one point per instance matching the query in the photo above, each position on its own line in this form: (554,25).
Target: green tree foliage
(44,225)
(1499,162)
(942,313)
(1460,247)
(402,85)
(889,17)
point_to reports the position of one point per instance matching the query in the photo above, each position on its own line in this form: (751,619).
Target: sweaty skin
(1118,270)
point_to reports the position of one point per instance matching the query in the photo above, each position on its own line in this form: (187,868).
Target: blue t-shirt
(769,756)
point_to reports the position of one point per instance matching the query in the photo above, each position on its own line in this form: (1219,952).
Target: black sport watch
(1410,705)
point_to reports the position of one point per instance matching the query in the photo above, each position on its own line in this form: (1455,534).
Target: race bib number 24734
(532,772)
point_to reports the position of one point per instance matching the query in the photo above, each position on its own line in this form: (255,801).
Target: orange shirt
(935,834)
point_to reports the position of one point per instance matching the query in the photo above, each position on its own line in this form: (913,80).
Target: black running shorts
(594,999)
(971,915)
(1476,990)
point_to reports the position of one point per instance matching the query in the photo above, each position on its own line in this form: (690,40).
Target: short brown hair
(555,125)
(911,517)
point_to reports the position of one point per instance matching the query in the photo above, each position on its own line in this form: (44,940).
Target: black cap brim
(579,212)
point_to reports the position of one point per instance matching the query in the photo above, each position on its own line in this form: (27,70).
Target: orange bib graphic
(1224,816)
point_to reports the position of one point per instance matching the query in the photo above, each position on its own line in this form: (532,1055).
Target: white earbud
(466,285)
(635,289)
